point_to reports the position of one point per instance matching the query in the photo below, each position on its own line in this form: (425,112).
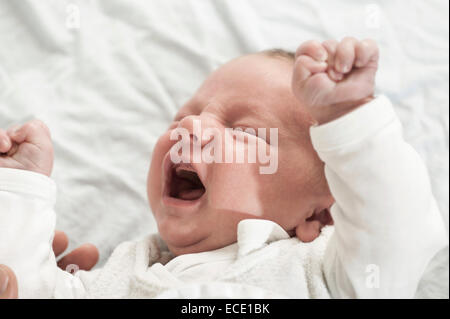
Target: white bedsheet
(107,76)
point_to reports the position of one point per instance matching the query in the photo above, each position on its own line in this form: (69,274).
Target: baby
(225,228)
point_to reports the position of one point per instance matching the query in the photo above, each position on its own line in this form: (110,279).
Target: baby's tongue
(190,194)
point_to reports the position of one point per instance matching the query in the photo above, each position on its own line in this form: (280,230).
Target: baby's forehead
(254,84)
(234,110)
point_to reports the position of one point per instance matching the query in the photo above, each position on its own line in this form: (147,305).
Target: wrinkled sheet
(107,76)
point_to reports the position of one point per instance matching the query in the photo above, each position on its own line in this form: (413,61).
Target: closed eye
(249,131)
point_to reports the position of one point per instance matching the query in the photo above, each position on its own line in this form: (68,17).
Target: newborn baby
(225,228)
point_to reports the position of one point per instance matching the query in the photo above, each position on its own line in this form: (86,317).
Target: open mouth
(184,183)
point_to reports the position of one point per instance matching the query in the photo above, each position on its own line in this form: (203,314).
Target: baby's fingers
(366,51)
(314,49)
(60,243)
(5,142)
(305,66)
(345,55)
(34,132)
(331,46)
(8,283)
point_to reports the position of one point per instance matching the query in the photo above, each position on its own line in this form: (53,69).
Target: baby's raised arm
(387,223)
(27,217)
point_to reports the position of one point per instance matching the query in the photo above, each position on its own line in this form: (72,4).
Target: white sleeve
(387,223)
(27,223)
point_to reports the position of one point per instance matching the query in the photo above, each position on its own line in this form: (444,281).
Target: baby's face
(197,206)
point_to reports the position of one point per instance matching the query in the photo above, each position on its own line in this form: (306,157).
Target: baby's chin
(184,237)
(181,237)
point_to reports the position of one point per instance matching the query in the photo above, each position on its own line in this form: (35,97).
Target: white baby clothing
(387,227)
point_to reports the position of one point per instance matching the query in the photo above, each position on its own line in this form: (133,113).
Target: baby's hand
(333,78)
(28,147)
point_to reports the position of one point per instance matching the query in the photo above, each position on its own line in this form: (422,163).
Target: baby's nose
(187,123)
(194,125)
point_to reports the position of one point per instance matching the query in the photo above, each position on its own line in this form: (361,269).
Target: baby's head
(197,206)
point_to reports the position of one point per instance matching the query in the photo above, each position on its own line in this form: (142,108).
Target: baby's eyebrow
(240,111)
(178,117)
(181,114)
(232,112)
(189,108)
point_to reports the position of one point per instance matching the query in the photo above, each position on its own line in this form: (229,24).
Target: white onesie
(387,229)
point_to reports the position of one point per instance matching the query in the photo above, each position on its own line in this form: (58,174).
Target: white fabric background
(108,86)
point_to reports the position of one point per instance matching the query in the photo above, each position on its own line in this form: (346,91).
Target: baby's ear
(310,228)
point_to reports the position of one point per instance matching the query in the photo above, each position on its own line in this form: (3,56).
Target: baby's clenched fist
(333,78)
(28,147)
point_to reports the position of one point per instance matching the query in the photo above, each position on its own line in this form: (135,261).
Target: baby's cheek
(154,179)
(237,186)
(236,189)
